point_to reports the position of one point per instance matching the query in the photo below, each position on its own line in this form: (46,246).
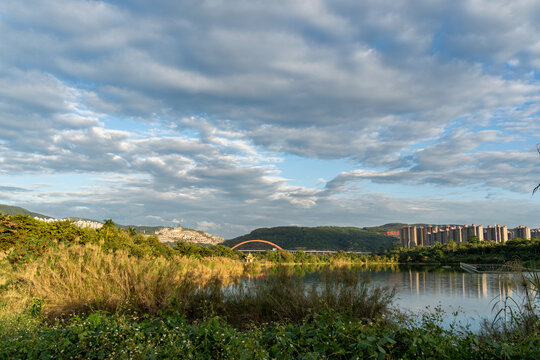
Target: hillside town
(77,222)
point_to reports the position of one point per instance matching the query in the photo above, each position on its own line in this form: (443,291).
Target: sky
(227,116)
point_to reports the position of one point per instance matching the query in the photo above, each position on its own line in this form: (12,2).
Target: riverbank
(111,294)
(185,307)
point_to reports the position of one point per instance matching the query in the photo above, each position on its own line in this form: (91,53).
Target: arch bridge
(259,241)
(313,252)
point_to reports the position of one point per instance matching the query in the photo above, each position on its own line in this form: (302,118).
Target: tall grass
(83,278)
(518,315)
(284,296)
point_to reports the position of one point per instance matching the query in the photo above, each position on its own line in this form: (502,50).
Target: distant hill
(382,229)
(15,210)
(318,238)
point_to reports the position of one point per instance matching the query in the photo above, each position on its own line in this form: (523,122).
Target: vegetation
(475,252)
(80,279)
(322,336)
(517,318)
(73,293)
(341,257)
(319,238)
(200,251)
(80,301)
(27,238)
(382,229)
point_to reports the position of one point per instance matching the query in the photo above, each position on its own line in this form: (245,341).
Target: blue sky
(232,115)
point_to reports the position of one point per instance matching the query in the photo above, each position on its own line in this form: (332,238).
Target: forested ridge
(319,238)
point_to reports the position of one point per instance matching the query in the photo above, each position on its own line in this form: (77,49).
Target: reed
(84,278)
(518,315)
(285,297)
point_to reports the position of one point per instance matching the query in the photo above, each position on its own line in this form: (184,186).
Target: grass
(81,279)
(518,316)
(84,278)
(283,296)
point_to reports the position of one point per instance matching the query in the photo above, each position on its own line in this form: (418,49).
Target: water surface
(465,298)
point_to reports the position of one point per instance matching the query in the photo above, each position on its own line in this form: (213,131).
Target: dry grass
(286,297)
(79,279)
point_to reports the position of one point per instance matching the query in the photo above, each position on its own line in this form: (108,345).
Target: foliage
(476,252)
(28,249)
(27,238)
(319,238)
(341,257)
(192,249)
(322,336)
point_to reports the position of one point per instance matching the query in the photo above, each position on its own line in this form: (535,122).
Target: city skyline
(428,235)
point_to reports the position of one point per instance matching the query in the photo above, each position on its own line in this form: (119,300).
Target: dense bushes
(322,336)
(27,238)
(300,257)
(487,252)
(191,249)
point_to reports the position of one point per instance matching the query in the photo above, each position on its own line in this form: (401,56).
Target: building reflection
(454,284)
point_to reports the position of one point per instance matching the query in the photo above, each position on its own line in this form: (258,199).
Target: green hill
(15,210)
(382,229)
(318,238)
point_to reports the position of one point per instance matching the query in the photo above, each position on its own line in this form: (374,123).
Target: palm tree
(537,186)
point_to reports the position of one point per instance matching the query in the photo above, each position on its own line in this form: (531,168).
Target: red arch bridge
(276,247)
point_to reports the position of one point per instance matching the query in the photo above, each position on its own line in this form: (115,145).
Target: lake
(465,298)
(472,296)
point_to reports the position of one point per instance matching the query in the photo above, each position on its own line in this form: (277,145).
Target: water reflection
(472,296)
(451,284)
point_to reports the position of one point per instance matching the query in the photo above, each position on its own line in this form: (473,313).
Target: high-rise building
(522,232)
(496,233)
(407,236)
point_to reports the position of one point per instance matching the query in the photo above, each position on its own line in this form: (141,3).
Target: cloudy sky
(231,115)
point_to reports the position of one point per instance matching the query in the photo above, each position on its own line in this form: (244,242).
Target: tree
(109,223)
(538,186)
(473,239)
(131,231)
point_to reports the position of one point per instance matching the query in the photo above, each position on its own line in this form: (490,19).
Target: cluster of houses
(79,222)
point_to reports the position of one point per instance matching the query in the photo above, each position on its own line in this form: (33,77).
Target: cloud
(14,189)
(190,108)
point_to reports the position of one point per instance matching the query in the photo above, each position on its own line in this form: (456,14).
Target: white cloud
(190,108)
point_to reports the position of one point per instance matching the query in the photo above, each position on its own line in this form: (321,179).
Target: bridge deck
(312,252)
